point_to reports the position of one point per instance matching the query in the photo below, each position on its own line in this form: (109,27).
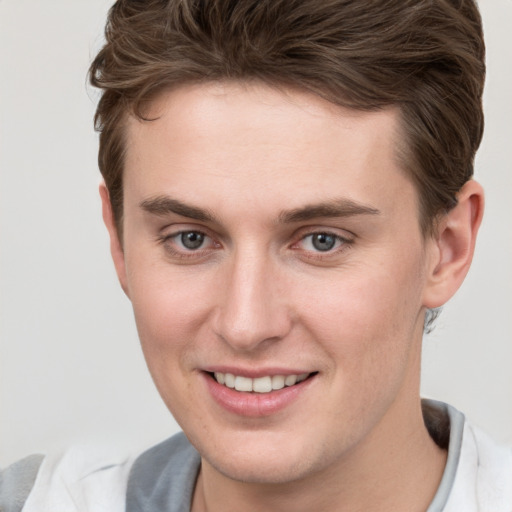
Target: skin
(258,293)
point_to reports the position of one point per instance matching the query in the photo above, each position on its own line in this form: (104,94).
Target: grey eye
(192,239)
(323,241)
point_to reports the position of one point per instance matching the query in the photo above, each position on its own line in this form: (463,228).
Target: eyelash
(183,253)
(344,243)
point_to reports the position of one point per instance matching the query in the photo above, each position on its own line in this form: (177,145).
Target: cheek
(367,321)
(367,332)
(360,305)
(170,310)
(169,320)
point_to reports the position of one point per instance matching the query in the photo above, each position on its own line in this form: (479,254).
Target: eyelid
(328,233)
(185,227)
(168,234)
(346,240)
(339,233)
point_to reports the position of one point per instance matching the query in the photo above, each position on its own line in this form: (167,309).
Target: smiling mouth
(265,384)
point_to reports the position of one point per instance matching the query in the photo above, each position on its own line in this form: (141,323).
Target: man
(289,199)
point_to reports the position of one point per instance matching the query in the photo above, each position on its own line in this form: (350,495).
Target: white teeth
(290,380)
(243,383)
(262,385)
(259,385)
(278,382)
(229,380)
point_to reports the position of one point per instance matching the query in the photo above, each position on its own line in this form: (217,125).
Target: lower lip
(255,404)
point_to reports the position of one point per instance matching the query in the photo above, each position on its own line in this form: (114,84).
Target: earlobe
(116,248)
(453,246)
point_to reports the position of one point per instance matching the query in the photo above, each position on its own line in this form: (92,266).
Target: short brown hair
(424,56)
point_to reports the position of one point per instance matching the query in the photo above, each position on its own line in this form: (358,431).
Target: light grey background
(70,366)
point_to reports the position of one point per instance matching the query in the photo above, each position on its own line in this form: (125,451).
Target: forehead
(264,144)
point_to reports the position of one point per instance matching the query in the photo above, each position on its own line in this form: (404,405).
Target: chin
(264,461)
(257,471)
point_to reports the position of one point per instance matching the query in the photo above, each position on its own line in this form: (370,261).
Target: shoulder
(478,472)
(82,478)
(99,480)
(483,480)
(493,469)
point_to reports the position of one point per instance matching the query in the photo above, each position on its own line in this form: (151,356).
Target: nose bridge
(251,312)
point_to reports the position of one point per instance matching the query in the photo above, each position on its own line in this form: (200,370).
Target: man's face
(270,235)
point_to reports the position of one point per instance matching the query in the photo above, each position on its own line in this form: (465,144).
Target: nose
(252,311)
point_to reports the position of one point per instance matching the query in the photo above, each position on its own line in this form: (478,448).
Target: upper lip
(254,373)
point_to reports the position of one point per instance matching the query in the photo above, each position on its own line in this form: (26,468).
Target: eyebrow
(334,208)
(164,205)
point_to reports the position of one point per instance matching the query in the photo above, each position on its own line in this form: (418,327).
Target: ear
(451,249)
(116,248)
